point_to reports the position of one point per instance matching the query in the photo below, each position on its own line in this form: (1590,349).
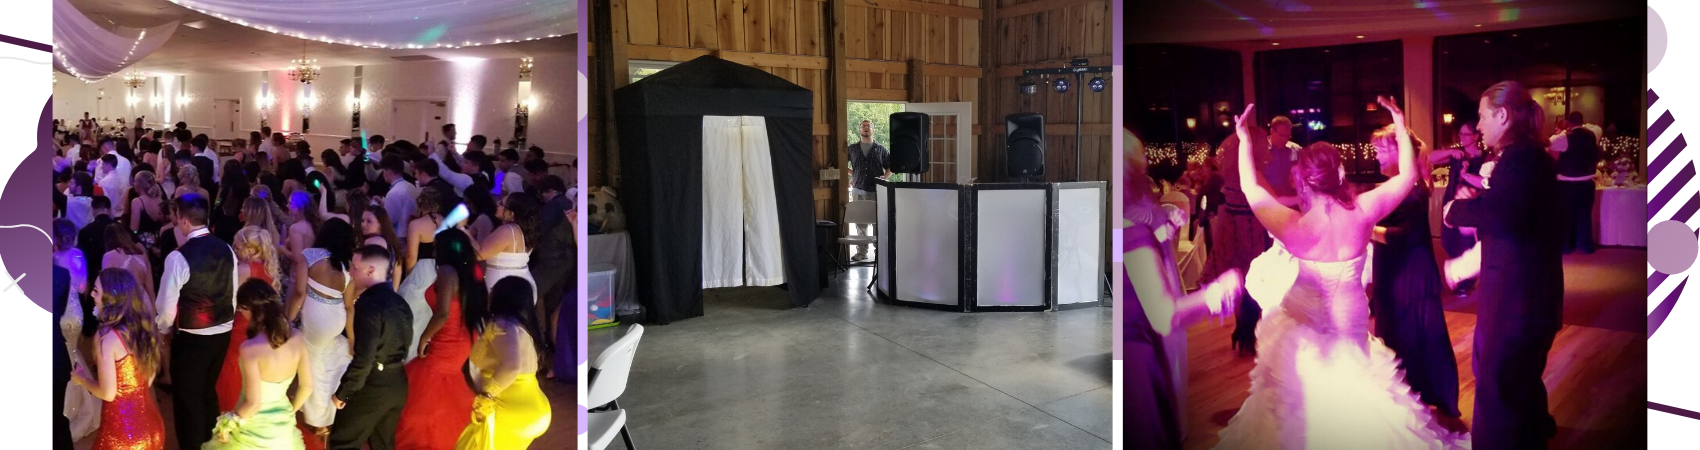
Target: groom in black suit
(1521,290)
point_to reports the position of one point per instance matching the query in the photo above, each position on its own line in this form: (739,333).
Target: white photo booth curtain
(740,230)
(400,23)
(88,51)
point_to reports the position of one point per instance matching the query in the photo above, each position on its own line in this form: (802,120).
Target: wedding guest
(91,239)
(318,299)
(1521,288)
(399,200)
(1465,169)
(1578,150)
(1239,238)
(1151,386)
(557,261)
(122,252)
(1406,298)
(439,402)
(145,210)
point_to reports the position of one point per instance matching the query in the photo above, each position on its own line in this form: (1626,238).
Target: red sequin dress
(439,404)
(229,386)
(131,421)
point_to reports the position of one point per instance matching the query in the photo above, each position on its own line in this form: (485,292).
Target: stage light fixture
(1061,85)
(1097,84)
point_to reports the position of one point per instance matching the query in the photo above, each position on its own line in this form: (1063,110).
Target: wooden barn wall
(883,44)
(1047,34)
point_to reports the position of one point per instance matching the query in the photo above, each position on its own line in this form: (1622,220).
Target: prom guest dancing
(1409,318)
(374,389)
(1520,292)
(273,356)
(321,277)
(1321,379)
(510,410)
(197,296)
(439,402)
(1152,395)
(1237,237)
(126,354)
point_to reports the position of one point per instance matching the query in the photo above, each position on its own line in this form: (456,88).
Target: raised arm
(1269,210)
(1382,200)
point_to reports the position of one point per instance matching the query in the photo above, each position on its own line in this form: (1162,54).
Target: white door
(225,114)
(952,147)
(413,119)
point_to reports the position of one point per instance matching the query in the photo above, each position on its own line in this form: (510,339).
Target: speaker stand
(1079,68)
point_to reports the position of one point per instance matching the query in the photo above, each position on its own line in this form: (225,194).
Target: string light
(346,41)
(66,61)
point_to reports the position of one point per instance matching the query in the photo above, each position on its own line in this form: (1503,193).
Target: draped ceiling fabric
(400,23)
(90,52)
(665,157)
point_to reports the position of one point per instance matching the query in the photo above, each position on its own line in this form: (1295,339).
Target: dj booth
(991,247)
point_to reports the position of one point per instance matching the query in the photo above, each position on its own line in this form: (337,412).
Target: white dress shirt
(459,180)
(399,204)
(116,183)
(171,281)
(511,182)
(266,145)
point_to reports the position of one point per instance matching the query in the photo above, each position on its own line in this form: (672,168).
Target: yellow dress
(519,413)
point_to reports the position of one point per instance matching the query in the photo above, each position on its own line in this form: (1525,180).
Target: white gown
(1321,380)
(322,321)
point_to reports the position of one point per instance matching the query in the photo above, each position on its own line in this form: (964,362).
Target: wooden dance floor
(1596,374)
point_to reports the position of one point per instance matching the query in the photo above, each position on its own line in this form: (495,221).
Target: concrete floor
(847,372)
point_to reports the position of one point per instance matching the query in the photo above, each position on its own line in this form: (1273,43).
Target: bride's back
(1329,232)
(1332,224)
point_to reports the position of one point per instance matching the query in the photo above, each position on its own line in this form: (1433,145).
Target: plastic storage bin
(599,295)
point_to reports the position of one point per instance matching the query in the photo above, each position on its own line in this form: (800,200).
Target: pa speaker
(909,132)
(1025,143)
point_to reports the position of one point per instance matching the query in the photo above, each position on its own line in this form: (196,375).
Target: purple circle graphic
(1672,247)
(1657,39)
(25,200)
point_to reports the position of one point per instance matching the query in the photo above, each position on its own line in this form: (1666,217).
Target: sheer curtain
(88,51)
(740,245)
(400,23)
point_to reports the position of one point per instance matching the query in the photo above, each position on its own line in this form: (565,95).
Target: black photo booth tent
(660,130)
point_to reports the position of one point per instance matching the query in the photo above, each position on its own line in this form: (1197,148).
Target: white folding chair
(602,427)
(608,375)
(858,212)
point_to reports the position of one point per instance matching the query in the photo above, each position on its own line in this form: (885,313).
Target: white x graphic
(14,282)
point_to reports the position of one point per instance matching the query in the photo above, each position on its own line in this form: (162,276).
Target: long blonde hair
(125,311)
(256,244)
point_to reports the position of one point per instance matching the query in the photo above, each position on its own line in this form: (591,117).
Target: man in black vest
(61,360)
(1578,152)
(374,388)
(197,298)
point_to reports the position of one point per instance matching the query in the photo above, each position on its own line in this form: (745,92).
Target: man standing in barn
(868,160)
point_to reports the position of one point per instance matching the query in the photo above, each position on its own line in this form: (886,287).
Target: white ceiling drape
(90,52)
(400,23)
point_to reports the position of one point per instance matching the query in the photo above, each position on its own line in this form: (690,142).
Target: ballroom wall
(481,96)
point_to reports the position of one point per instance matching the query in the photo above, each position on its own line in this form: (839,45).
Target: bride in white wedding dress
(1321,380)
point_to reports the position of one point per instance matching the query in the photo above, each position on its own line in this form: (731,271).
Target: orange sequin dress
(131,420)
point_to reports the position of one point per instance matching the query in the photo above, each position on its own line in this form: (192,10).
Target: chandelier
(1556,95)
(525,68)
(305,70)
(135,79)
